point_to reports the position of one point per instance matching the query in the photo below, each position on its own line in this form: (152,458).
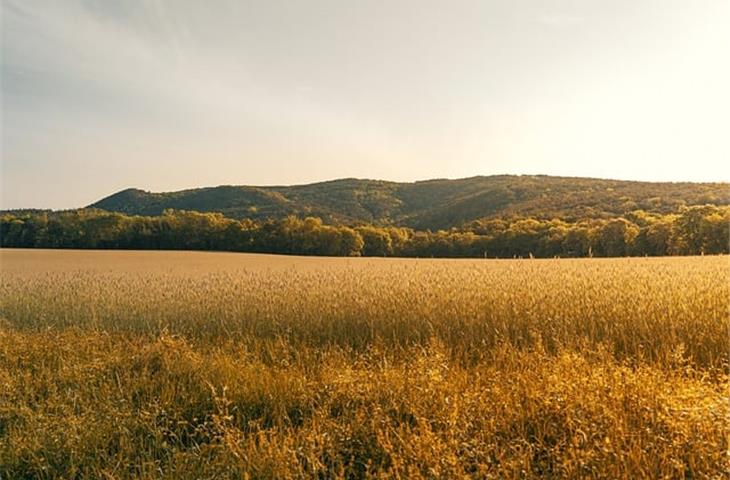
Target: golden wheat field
(211,365)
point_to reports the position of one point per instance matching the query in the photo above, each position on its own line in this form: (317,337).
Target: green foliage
(377,241)
(429,205)
(499,216)
(693,231)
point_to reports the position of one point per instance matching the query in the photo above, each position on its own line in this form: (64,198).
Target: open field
(214,365)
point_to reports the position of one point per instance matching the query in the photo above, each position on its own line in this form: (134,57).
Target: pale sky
(98,95)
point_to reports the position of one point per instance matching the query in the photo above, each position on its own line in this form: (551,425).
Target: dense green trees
(377,241)
(690,231)
(432,204)
(616,238)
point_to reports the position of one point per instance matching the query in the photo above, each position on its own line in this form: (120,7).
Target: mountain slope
(431,204)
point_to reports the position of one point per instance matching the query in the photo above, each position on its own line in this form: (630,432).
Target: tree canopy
(692,230)
(429,205)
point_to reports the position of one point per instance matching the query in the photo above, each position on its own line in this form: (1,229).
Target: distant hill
(431,204)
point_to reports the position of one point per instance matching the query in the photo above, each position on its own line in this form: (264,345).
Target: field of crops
(214,365)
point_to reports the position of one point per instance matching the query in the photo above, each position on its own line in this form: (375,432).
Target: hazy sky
(162,95)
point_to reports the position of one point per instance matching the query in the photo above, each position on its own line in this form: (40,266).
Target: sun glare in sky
(162,95)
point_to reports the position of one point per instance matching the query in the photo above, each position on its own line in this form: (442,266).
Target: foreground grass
(593,368)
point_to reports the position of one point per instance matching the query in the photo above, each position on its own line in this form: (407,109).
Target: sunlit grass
(487,369)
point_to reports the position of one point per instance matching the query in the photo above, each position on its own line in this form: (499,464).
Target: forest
(694,230)
(438,204)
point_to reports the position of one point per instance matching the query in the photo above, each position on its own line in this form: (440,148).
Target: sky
(98,96)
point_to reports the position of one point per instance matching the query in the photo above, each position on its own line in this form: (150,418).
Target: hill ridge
(427,204)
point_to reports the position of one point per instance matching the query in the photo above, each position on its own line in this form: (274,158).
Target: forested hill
(432,204)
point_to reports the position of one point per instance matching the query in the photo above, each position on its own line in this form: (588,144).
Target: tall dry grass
(399,369)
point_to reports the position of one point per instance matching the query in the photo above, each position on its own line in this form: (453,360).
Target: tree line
(690,231)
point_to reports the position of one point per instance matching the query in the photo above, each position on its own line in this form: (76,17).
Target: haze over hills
(431,204)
